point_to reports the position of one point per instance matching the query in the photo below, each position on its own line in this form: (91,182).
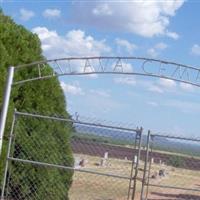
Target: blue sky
(157,29)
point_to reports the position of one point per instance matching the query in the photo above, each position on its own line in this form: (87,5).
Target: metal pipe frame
(102,73)
(75,121)
(5,104)
(132,168)
(178,69)
(106,57)
(148,184)
(67,168)
(174,187)
(8,154)
(176,137)
(145,166)
(149,168)
(137,164)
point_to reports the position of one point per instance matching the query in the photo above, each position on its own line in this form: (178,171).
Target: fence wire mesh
(173,168)
(58,158)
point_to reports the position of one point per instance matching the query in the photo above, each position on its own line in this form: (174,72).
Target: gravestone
(104,159)
(135,160)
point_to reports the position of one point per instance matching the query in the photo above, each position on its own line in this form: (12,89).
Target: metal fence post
(150,163)
(5,104)
(145,166)
(8,154)
(137,164)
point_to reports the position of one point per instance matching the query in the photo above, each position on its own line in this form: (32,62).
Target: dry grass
(95,187)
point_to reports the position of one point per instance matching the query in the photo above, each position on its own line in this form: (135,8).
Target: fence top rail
(85,123)
(174,187)
(107,57)
(176,137)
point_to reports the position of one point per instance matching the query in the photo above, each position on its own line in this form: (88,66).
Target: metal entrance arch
(94,66)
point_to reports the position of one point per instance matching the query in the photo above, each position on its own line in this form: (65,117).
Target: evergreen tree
(39,140)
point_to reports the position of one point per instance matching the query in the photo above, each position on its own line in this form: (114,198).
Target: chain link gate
(172,168)
(102,169)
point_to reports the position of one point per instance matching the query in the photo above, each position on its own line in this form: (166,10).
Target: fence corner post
(5,104)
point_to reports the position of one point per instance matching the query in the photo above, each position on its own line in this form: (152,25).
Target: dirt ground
(88,186)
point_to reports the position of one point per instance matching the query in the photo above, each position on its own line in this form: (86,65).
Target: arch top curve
(139,66)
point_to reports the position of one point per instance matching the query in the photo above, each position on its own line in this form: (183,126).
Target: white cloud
(127,67)
(166,83)
(161,46)
(120,66)
(51,13)
(145,17)
(187,87)
(156,49)
(195,50)
(125,80)
(74,43)
(183,106)
(160,86)
(101,93)
(172,35)
(155,88)
(152,103)
(73,89)
(125,45)
(102,9)
(26,15)
(152,52)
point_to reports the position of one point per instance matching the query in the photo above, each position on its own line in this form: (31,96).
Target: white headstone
(135,159)
(106,155)
(76,163)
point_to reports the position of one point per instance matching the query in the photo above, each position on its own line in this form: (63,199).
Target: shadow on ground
(166,196)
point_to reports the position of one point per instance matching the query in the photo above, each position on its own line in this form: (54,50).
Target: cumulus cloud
(51,13)
(183,106)
(155,88)
(125,80)
(166,83)
(152,103)
(145,17)
(152,52)
(161,46)
(102,10)
(156,49)
(162,85)
(73,43)
(26,15)
(187,87)
(100,92)
(120,66)
(195,50)
(125,46)
(73,89)
(172,35)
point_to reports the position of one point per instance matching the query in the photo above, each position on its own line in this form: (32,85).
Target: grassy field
(97,187)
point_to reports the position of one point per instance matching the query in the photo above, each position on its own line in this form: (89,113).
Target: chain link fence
(172,169)
(51,157)
(58,158)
